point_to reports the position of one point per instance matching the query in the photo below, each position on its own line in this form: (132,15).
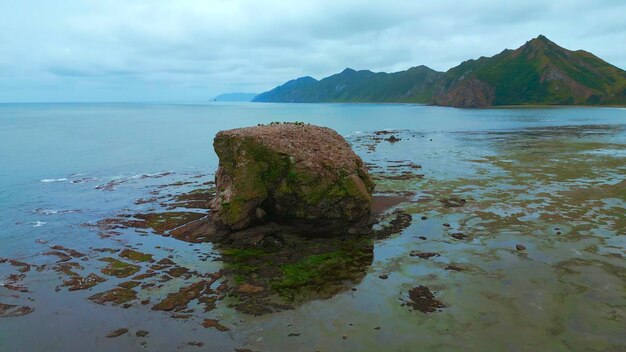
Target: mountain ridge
(540,72)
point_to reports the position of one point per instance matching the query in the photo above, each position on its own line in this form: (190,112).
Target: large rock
(289,173)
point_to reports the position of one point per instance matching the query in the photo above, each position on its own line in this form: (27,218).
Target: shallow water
(549,179)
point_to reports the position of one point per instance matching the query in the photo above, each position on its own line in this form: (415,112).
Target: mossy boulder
(289,173)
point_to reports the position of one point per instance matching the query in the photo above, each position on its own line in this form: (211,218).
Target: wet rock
(393,139)
(424,218)
(247,288)
(117,295)
(453,202)
(383,277)
(401,221)
(160,223)
(454,267)
(62,256)
(166,261)
(178,300)
(12,310)
(446,225)
(289,173)
(119,268)
(144,276)
(117,333)
(520,247)
(71,252)
(105,250)
(181,316)
(422,299)
(424,255)
(177,271)
(209,302)
(12,282)
(195,343)
(458,235)
(142,333)
(215,324)
(23,267)
(198,198)
(82,283)
(136,256)
(129,284)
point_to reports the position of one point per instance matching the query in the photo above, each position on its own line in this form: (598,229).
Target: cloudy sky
(192,50)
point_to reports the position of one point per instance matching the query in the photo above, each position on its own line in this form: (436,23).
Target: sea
(550,179)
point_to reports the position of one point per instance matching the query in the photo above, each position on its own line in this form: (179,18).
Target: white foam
(48,180)
(38,223)
(155,175)
(45,211)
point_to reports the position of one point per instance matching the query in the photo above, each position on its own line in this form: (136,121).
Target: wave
(155,175)
(48,180)
(46,211)
(38,223)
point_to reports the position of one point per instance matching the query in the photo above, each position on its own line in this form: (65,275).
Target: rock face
(289,173)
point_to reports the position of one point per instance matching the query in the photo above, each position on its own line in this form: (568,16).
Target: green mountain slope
(412,85)
(538,73)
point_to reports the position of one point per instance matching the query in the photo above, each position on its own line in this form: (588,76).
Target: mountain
(414,84)
(234,97)
(538,73)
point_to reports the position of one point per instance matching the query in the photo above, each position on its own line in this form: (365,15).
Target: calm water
(56,158)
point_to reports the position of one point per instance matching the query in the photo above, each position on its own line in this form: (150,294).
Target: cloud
(192,50)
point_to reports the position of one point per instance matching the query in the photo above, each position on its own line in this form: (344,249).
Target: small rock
(247,288)
(424,217)
(142,333)
(393,139)
(520,247)
(424,255)
(117,333)
(454,267)
(195,343)
(446,225)
(423,238)
(384,277)
(212,323)
(458,235)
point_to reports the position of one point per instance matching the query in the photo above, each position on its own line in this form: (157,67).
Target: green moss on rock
(288,172)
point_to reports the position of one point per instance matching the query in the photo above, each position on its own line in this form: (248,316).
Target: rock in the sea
(289,173)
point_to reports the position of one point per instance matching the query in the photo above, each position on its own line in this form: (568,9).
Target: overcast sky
(187,50)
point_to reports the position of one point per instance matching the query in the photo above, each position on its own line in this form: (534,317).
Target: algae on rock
(289,173)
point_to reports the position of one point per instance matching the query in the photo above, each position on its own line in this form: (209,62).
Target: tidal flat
(497,230)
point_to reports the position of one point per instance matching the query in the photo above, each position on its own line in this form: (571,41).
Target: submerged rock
(117,333)
(422,299)
(289,173)
(12,310)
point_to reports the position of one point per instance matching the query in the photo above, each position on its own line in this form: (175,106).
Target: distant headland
(234,97)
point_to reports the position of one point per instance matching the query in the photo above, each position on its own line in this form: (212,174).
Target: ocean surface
(524,173)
